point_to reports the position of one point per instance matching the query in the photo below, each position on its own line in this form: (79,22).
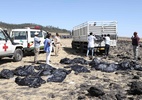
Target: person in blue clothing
(48,47)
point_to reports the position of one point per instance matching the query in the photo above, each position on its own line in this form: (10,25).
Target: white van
(26,38)
(8,48)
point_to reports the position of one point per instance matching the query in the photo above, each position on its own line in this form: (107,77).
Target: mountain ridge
(48,28)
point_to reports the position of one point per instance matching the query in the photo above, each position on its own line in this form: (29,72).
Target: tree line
(32,25)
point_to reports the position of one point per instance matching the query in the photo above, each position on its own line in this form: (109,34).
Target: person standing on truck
(107,44)
(36,47)
(91,44)
(57,44)
(135,43)
(48,47)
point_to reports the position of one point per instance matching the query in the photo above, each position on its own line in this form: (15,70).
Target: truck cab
(8,48)
(26,38)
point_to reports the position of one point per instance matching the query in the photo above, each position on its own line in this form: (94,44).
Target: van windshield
(17,35)
(33,33)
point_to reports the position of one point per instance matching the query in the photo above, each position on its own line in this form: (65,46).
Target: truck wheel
(18,55)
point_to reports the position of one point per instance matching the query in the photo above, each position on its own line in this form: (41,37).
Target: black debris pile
(47,69)
(58,75)
(31,76)
(103,66)
(95,62)
(99,92)
(135,88)
(111,67)
(24,70)
(80,61)
(129,65)
(6,74)
(107,67)
(79,69)
(74,61)
(66,61)
(31,81)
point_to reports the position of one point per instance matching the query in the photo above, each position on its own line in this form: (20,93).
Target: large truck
(99,29)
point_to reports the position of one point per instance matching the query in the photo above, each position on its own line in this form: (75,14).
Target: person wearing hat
(135,43)
(36,47)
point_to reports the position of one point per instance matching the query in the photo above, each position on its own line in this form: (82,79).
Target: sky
(66,14)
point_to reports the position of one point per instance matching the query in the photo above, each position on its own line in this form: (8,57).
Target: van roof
(25,30)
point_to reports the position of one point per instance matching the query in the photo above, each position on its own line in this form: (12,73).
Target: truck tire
(18,55)
(72,44)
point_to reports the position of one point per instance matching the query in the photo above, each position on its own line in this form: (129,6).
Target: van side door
(5,44)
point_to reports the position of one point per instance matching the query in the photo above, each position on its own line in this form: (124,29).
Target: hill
(46,28)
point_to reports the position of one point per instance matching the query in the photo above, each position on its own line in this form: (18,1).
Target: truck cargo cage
(99,29)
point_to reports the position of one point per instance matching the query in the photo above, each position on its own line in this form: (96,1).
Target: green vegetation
(46,28)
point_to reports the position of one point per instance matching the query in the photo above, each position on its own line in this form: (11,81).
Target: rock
(80,97)
(114,86)
(51,95)
(135,88)
(106,80)
(139,74)
(94,91)
(120,96)
(139,58)
(110,96)
(136,77)
(93,78)
(84,86)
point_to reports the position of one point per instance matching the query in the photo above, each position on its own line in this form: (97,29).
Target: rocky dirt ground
(109,86)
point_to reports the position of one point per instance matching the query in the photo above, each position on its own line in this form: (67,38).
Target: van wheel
(18,55)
